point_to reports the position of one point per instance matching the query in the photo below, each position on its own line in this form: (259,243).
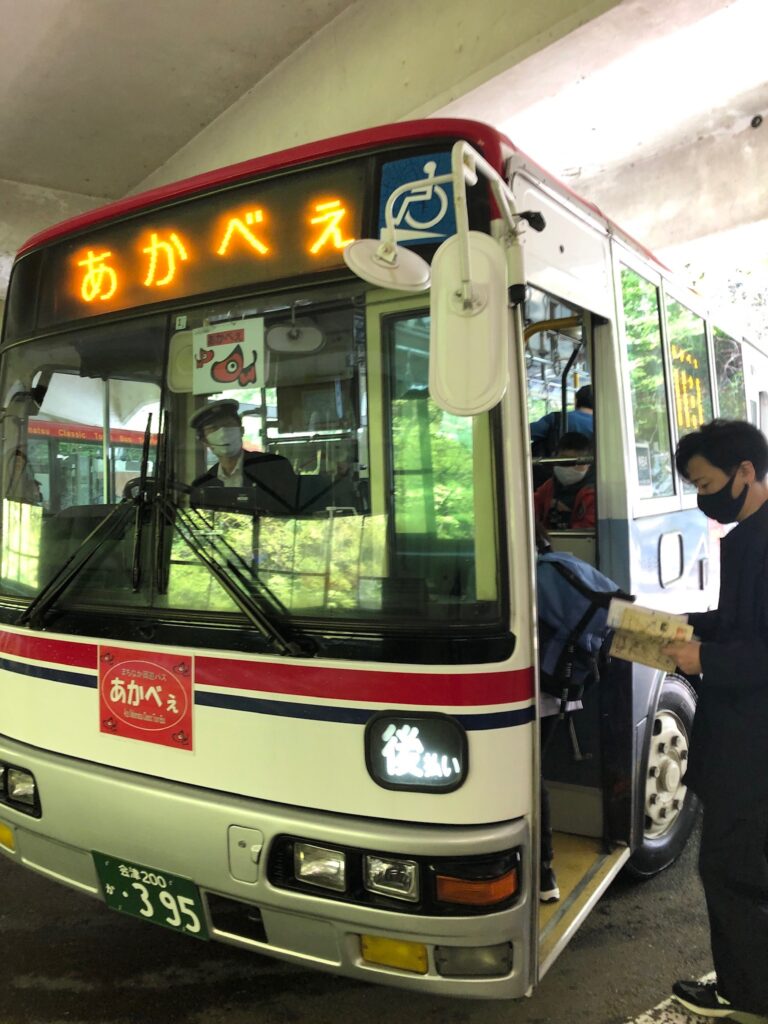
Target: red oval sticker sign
(146,696)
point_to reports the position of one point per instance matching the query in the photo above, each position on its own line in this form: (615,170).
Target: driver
(219,427)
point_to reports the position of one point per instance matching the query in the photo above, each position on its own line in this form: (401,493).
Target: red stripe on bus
(43,648)
(440,689)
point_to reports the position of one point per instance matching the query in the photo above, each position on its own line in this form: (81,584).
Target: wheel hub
(667,763)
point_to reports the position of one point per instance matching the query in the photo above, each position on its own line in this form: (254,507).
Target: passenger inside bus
(544,431)
(567,500)
(219,427)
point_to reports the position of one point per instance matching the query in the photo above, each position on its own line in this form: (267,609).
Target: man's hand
(687,655)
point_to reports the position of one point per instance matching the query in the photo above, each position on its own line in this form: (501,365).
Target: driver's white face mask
(224,440)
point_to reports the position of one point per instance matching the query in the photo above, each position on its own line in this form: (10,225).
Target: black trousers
(733,864)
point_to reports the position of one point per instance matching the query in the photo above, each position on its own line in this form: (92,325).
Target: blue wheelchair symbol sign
(426,213)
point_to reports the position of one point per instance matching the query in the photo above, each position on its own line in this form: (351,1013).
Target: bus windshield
(295,458)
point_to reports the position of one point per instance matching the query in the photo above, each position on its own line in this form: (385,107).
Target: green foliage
(729,366)
(646,376)
(432,457)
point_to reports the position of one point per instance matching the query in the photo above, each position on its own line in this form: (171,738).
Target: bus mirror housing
(468,346)
(386,264)
(302,335)
(297,336)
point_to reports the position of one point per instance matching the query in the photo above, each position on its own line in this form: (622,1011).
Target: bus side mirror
(468,341)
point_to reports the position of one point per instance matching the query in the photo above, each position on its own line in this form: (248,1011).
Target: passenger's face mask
(224,440)
(570,475)
(722,506)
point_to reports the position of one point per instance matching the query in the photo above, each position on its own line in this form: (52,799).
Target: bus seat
(582,543)
(63,533)
(314,493)
(404,594)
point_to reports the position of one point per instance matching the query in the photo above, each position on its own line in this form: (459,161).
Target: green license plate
(150,894)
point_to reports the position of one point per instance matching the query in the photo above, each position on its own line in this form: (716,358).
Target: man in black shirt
(727,461)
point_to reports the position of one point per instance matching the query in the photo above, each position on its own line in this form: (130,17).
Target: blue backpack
(573,599)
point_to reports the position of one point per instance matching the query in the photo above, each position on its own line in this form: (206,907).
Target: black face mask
(721,505)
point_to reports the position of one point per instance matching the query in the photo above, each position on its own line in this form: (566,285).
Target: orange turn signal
(478,893)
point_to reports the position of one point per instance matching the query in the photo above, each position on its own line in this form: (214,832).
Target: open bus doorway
(578,772)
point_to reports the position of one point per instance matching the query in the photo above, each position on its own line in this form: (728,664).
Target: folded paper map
(640,633)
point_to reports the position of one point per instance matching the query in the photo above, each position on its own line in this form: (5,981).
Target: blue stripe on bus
(53,674)
(349,716)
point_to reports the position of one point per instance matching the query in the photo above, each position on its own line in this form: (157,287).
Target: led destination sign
(263,231)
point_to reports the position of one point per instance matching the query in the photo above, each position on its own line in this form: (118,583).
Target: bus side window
(642,326)
(690,367)
(692,388)
(729,368)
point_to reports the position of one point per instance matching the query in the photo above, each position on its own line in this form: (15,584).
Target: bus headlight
(20,787)
(320,866)
(392,877)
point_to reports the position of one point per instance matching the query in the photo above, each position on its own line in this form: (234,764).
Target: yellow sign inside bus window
(689,378)
(262,231)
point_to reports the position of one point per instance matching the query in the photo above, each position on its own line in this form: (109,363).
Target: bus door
(582,753)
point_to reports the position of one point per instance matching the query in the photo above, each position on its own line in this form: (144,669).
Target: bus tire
(669,809)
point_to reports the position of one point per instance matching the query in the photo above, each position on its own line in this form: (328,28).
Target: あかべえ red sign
(146,696)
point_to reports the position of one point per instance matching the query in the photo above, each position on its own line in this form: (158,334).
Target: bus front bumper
(221,844)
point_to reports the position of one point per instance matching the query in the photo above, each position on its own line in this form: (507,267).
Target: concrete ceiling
(651,109)
(647,90)
(96,94)
(657,111)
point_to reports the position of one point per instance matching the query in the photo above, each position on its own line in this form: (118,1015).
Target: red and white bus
(312,731)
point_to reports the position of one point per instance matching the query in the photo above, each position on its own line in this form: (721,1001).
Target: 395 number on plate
(156,896)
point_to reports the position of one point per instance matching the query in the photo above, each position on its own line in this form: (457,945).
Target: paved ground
(65,959)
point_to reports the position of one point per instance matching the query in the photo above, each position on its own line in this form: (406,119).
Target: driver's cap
(226,409)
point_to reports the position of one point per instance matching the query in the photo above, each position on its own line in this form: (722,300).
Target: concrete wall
(26,209)
(377,63)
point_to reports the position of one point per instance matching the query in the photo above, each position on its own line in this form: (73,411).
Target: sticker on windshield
(146,696)
(229,355)
(424,213)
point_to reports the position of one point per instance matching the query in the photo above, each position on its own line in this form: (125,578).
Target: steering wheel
(132,488)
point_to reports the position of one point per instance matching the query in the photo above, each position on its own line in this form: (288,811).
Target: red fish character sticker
(229,355)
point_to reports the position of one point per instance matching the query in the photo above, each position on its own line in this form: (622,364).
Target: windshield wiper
(140,503)
(236,577)
(34,613)
(161,556)
(109,527)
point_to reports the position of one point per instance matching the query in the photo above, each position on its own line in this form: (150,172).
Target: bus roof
(492,144)
(486,139)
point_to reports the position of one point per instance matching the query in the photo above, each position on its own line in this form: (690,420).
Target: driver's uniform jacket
(272,472)
(728,763)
